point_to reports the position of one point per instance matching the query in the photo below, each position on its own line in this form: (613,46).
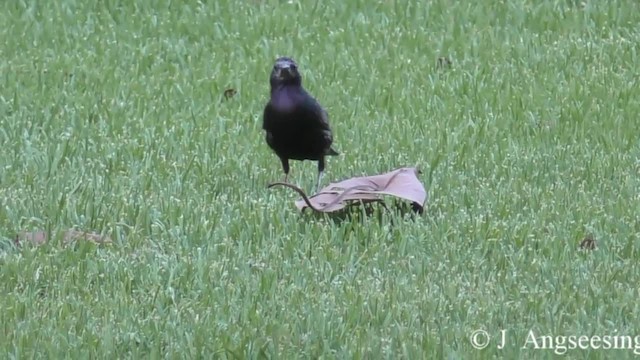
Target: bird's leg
(285,168)
(320,173)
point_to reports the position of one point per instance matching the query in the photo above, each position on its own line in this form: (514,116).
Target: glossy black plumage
(296,125)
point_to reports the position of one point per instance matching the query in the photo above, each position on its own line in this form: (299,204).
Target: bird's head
(285,72)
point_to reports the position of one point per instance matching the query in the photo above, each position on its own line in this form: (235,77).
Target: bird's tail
(332,152)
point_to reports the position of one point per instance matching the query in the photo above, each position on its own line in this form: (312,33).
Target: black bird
(296,125)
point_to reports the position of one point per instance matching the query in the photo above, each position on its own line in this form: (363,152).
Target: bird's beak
(283,72)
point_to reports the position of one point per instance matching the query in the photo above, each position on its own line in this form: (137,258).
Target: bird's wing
(320,115)
(319,112)
(324,124)
(267,117)
(324,118)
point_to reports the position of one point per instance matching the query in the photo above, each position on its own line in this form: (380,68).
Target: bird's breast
(285,100)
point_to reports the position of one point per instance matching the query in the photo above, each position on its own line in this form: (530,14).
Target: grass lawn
(113,119)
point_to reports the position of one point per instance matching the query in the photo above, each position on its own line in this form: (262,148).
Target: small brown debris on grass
(229,93)
(444,62)
(41,237)
(588,243)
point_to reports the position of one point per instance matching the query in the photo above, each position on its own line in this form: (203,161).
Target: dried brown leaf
(402,183)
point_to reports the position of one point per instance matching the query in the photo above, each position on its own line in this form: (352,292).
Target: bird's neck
(285,97)
(285,88)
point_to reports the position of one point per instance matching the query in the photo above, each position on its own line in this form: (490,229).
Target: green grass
(112,119)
